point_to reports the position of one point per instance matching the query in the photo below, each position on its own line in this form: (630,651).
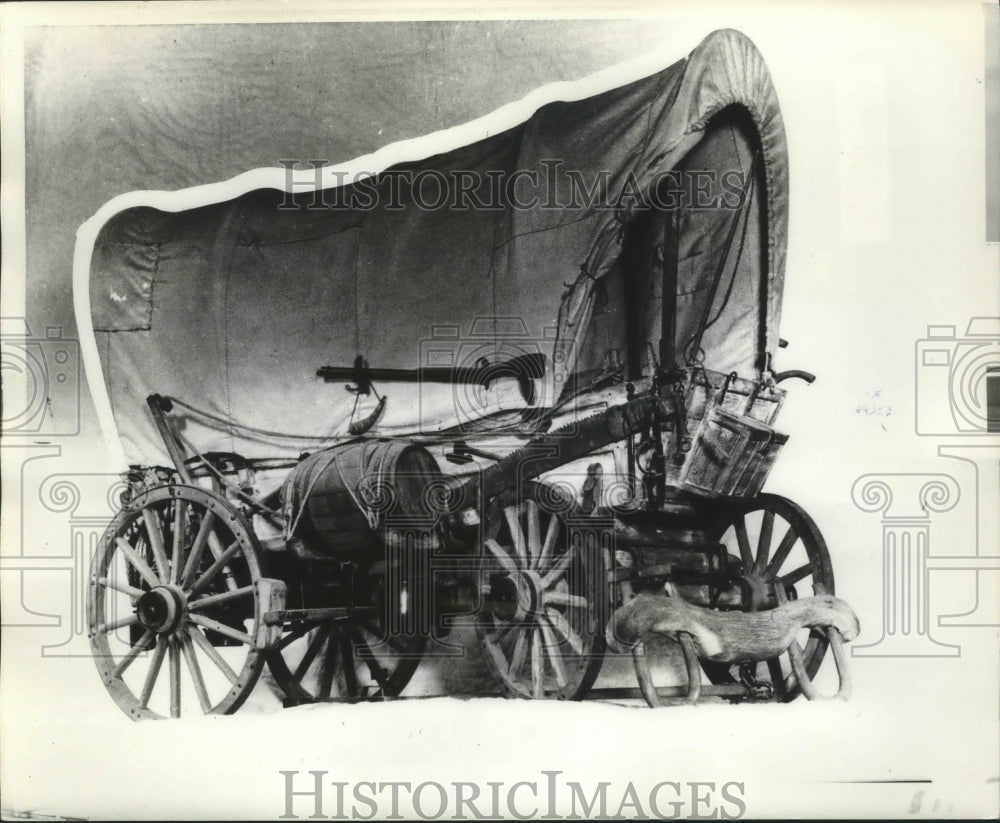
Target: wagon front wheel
(176,605)
(544,590)
(783,556)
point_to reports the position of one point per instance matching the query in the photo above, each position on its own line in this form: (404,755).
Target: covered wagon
(558,345)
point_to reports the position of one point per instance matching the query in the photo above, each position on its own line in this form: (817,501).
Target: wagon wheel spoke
(156,543)
(154,672)
(217,599)
(124,588)
(191,661)
(561,625)
(497,635)
(512,514)
(518,655)
(347,655)
(561,598)
(781,555)
(175,678)
(215,547)
(550,541)
(764,543)
(500,553)
(294,634)
(219,565)
(202,642)
(513,664)
(537,670)
(534,532)
(178,540)
(550,648)
(121,623)
(138,563)
(315,644)
(220,628)
(744,543)
(558,569)
(795,576)
(138,648)
(396,642)
(197,549)
(494,653)
(327,667)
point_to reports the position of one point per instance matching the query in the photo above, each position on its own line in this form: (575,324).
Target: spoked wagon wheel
(377,647)
(545,596)
(176,580)
(779,546)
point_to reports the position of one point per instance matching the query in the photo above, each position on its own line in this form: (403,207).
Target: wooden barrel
(341,500)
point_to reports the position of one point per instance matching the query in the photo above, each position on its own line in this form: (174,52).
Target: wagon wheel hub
(761,592)
(161,609)
(517,595)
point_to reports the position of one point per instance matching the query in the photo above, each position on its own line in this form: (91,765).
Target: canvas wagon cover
(490,249)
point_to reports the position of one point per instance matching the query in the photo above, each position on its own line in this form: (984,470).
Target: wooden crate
(703,387)
(731,455)
(733,444)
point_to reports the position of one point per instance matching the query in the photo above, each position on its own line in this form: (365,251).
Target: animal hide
(728,636)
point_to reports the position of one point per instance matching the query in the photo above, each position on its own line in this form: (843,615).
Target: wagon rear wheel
(545,596)
(371,650)
(779,545)
(176,605)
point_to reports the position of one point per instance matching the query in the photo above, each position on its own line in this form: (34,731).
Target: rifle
(525,368)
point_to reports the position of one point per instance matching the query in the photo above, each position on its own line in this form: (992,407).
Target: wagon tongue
(525,368)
